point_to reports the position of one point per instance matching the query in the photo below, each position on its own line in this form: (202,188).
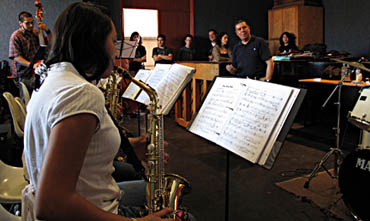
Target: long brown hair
(79,37)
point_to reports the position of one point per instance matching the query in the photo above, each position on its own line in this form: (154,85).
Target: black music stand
(126,49)
(338,154)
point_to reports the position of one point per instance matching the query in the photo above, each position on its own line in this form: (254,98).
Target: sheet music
(239,115)
(132,90)
(154,80)
(280,123)
(170,85)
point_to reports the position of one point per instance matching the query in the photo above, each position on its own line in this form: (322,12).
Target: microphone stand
(337,152)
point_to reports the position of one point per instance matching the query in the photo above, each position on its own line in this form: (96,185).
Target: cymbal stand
(336,151)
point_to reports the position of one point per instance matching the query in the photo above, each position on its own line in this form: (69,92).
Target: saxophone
(162,190)
(112,93)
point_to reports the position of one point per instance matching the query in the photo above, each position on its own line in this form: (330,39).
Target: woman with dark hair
(186,53)
(137,63)
(222,51)
(70,140)
(287,43)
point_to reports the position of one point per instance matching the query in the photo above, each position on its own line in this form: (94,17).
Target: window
(144,21)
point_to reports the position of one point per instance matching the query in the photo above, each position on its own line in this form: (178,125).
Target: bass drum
(354,183)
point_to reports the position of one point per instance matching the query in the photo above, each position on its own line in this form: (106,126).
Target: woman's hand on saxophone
(140,145)
(157,215)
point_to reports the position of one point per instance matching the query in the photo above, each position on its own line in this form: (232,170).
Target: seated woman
(186,53)
(222,52)
(287,43)
(70,140)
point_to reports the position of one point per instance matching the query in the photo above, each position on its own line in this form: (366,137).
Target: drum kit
(354,173)
(354,169)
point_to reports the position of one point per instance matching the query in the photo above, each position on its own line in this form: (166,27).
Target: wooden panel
(306,22)
(275,23)
(311,29)
(192,97)
(282,3)
(274,46)
(290,20)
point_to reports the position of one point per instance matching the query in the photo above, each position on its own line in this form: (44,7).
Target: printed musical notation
(154,80)
(132,90)
(166,79)
(176,76)
(241,114)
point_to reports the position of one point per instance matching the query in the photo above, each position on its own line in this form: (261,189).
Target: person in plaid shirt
(23,45)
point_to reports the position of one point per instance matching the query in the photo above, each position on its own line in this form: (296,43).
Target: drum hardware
(353,64)
(364,140)
(336,151)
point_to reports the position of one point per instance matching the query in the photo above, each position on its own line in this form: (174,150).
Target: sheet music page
(132,90)
(171,86)
(279,125)
(216,109)
(240,114)
(158,74)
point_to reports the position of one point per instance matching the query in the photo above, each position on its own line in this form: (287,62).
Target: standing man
(212,36)
(251,56)
(23,45)
(162,54)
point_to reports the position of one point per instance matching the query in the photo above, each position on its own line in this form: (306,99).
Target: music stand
(126,49)
(336,150)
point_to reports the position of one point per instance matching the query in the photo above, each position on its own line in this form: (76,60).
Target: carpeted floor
(323,191)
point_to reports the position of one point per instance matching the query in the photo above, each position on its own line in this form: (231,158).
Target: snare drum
(360,115)
(354,182)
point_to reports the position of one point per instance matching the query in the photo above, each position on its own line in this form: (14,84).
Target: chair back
(17,114)
(25,95)
(5,215)
(12,182)
(21,106)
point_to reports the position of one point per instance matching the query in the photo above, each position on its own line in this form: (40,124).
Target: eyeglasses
(29,23)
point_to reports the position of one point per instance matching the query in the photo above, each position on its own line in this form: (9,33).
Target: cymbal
(353,64)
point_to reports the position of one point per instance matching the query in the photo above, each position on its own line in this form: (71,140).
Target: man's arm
(230,68)
(165,57)
(21,60)
(269,69)
(155,55)
(142,59)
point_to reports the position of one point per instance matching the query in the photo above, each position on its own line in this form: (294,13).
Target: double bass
(41,52)
(39,16)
